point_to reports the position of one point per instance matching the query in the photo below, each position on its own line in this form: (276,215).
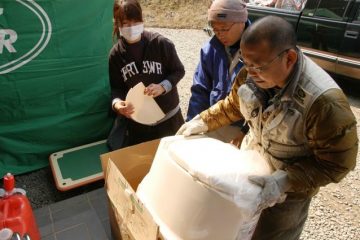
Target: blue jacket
(212,80)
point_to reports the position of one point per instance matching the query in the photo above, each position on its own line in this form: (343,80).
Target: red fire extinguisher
(15,210)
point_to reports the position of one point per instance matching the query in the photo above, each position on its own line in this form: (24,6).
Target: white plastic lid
(6,234)
(217,164)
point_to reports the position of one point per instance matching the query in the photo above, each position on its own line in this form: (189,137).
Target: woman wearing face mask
(148,57)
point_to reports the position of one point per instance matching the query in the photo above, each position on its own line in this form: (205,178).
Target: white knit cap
(228,11)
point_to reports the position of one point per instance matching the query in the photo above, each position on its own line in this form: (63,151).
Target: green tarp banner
(54,90)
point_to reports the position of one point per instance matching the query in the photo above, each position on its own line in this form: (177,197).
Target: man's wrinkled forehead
(255,52)
(260,45)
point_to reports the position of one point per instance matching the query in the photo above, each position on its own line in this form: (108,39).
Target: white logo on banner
(4,42)
(8,43)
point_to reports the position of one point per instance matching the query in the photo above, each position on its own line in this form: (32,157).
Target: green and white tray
(78,166)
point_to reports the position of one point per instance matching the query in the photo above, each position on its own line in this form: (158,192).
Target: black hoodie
(160,62)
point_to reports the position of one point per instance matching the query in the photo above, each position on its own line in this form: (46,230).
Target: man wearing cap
(219,63)
(300,122)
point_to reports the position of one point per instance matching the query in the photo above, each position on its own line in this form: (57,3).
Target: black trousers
(126,132)
(284,221)
(139,133)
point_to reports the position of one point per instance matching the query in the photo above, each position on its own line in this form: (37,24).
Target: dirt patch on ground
(190,14)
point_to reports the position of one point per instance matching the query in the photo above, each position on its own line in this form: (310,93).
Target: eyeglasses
(264,66)
(224,30)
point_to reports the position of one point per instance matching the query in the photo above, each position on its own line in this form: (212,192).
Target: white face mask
(132,33)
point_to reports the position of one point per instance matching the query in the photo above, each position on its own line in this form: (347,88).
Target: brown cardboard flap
(130,157)
(116,187)
(124,169)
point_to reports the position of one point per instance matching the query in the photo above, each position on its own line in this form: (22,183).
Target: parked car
(327,31)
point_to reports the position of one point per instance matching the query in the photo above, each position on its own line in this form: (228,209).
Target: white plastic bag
(198,189)
(224,168)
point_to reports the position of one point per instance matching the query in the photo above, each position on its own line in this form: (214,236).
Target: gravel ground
(334,212)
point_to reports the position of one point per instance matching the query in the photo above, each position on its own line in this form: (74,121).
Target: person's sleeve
(117,85)
(166,84)
(172,62)
(201,88)
(331,132)
(225,111)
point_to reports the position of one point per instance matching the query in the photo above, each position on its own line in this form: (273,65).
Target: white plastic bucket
(191,198)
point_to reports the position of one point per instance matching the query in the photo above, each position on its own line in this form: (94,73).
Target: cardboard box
(123,170)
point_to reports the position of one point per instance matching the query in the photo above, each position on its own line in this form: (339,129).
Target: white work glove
(194,126)
(273,187)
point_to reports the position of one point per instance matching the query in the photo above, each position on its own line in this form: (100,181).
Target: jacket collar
(289,89)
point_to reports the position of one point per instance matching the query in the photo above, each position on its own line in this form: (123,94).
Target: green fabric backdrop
(54,91)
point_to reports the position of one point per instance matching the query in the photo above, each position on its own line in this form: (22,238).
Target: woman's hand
(124,108)
(154,90)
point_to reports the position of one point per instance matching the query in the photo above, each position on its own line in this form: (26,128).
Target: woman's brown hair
(125,9)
